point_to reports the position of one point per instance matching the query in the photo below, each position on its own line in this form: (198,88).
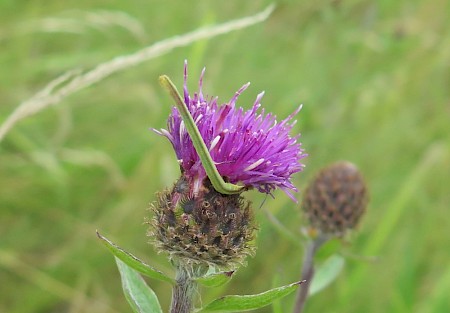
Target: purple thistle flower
(248,147)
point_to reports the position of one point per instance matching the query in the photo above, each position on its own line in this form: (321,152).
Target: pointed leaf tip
(249,302)
(133,261)
(215,279)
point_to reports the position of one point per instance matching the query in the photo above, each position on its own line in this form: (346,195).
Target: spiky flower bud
(336,199)
(207,227)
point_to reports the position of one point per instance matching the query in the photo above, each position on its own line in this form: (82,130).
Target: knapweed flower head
(335,199)
(248,147)
(195,223)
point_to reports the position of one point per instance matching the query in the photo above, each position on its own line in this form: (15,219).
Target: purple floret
(249,147)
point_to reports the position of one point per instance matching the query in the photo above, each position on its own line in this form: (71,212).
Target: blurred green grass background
(374,81)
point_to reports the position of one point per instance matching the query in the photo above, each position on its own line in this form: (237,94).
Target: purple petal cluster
(248,147)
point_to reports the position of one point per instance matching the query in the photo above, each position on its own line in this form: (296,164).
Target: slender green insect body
(211,170)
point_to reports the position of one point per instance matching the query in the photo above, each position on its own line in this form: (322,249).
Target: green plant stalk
(183,291)
(308,271)
(211,170)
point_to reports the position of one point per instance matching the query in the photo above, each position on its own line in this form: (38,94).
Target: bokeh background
(374,80)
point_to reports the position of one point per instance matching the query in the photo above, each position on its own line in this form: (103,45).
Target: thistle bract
(206,228)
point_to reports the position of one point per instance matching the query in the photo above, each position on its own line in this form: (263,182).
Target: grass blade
(70,83)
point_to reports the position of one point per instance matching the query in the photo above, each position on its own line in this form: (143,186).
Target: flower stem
(183,291)
(308,271)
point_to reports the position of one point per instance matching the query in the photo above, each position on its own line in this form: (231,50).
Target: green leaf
(140,296)
(326,273)
(276,304)
(215,279)
(248,302)
(134,262)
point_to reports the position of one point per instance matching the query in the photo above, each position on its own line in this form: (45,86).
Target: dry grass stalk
(74,81)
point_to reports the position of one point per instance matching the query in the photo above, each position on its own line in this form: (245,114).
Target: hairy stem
(308,271)
(183,291)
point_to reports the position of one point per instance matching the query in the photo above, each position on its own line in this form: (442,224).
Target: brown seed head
(336,199)
(206,228)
